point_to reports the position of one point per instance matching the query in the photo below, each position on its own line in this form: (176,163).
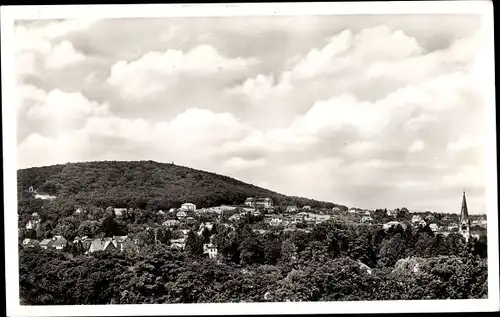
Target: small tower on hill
(464,221)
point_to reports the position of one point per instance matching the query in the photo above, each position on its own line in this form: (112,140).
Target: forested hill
(145,185)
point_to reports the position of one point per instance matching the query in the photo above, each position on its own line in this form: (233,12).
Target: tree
(194,245)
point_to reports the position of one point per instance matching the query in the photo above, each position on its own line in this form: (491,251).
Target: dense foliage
(327,264)
(145,185)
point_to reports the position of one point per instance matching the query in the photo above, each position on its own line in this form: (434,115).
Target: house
(188,207)
(250,202)
(30,243)
(291,209)
(35,215)
(392,213)
(161,212)
(307,207)
(190,220)
(178,243)
(32,224)
(235,217)
(416,219)
(58,242)
(171,223)
(352,211)
(367,213)
(263,203)
(453,227)
(322,218)
(119,212)
(104,244)
(367,219)
(422,223)
(78,211)
(429,218)
(336,209)
(44,196)
(296,219)
(259,231)
(45,243)
(207,225)
(276,221)
(123,243)
(391,224)
(210,249)
(434,227)
(256,213)
(181,215)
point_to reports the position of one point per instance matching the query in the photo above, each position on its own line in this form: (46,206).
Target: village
(265,217)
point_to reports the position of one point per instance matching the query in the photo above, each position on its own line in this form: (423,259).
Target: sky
(366,111)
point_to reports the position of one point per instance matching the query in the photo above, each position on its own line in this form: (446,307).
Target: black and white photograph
(247,157)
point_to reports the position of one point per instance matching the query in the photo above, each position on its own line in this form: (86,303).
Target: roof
(46,241)
(188,204)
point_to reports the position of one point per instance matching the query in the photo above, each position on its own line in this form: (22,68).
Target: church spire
(464,214)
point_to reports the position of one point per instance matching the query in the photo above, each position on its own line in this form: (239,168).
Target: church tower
(464,221)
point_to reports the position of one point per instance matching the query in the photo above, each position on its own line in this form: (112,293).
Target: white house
(181,215)
(367,213)
(210,249)
(178,243)
(291,209)
(235,217)
(390,224)
(119,211)
(188,207)
(32,224)
(276,221)
(263,203)
(322,218)
(335,209)
(250,202)
(434,227)
(352,211)
(453,227)
(171,223)
(44,196)
(366,219)
(422,223)
(416,219)
(392,213)
(307,207)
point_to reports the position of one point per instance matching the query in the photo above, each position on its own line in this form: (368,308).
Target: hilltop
(146,185)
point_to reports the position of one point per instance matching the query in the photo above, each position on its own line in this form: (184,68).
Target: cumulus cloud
(60,109)
(263,86)
(357,50)
(40,41)
(242,164)
(147,74)
(417,146)
(63,54)
(462,143)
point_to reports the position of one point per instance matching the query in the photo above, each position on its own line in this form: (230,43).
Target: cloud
(417,146)
(346,50)
(146,75)
(263,86)
(62,55)
(464,142)
(40,41)
(421,121)
(238,163)
(61,110)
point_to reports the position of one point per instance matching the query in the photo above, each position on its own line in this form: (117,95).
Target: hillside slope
(145,184)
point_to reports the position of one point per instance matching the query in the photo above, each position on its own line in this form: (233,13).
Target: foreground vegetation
(323,265)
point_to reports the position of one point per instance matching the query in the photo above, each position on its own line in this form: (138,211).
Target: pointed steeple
(464,214)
